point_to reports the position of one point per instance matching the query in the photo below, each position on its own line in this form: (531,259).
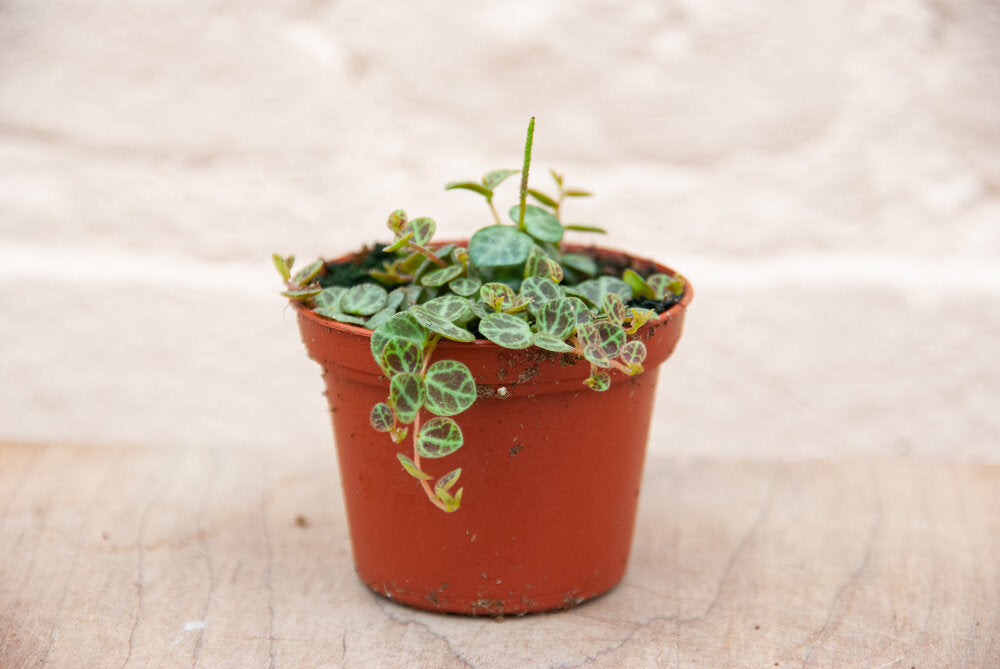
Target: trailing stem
(427,253)
(424,483)
(407,241)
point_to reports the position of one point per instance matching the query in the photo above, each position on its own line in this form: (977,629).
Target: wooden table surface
(130,557)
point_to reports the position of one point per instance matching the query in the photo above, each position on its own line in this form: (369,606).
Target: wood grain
(117,557)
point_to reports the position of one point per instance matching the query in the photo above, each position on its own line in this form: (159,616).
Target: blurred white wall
(826,174)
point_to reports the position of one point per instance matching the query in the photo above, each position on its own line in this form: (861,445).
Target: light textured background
(826,174)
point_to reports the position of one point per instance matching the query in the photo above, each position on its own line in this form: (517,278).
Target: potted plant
(490,401)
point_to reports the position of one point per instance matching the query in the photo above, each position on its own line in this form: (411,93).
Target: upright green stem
(524,172)
(493,210)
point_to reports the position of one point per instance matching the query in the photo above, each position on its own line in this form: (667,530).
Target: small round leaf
(497,295)
(307,273)
(662,284)
(401,326)
(533,262)
(496,177)
(442,275)
(638,318)
(448,481)
(460,256)
(440,325)
(498,246)
(381,417)
(449,307)
(595,355)
(480,308)
(395,298)
(539,264)
(450,388)
(550,342)
(401,356)
(519,304)
(540,290)
(613,307)
(599,381)
(364,299)
(579,262)
(340,316)
(633,352)
(539,223)
(396,220)
(451,503)
(439,437)
(639,285)
(330,297)
(608,337)
(556,317)
(410,263)
(465,286)
(300,293)
(281,265)
(593,290)
(581,313)
(506,330)
(552,269)
(406,394)
(423,230)
(379,317)
(412,469)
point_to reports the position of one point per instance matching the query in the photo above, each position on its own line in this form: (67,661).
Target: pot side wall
(551,486)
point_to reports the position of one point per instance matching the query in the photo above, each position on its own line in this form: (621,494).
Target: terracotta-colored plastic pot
(551,471)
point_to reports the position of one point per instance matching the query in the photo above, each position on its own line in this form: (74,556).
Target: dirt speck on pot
(527,374)
(498,393)
(434,595)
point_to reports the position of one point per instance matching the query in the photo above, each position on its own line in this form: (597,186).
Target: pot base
(437,601)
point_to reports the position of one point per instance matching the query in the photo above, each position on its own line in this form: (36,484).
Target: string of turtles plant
(514,284)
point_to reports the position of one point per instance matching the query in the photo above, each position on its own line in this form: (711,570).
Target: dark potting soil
(659,306)
(615,264)
(355,271)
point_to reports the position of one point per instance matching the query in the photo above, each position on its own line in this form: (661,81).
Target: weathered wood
(216,558)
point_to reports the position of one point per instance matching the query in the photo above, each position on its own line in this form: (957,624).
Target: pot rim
(485,344)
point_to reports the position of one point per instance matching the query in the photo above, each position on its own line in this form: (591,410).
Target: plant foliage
(514,285)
